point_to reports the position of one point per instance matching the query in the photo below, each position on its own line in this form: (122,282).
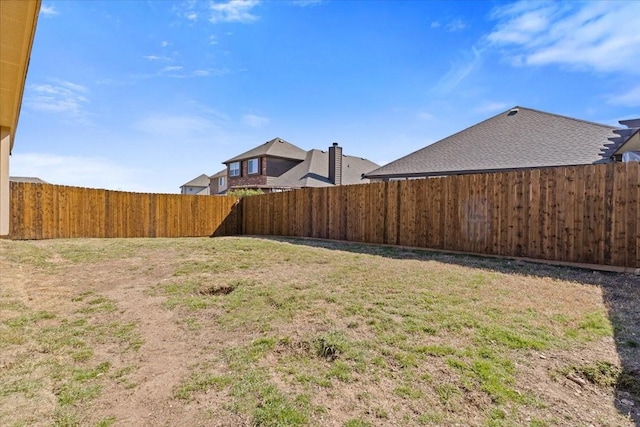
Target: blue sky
(146,95)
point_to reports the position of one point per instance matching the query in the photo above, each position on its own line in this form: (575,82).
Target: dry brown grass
(244,331)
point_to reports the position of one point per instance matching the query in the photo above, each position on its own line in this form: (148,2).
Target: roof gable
(201,181)
(277,147)
(517,138)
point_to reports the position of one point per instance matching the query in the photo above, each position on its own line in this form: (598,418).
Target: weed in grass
(406,360)
(407,392)
(592,326)
(340,371)
(330,345)
(446,392)
(66,418)
(25,386)
(106,422)
(435,350)
(496,417)
(99,304)
(380,413)
(73,393)
(430,418)
(82,355)
(305,379)
(495,376)
(83,375)
(192,324)
(199,382)
(274,409)
(605,374)
(28,319)
(522,338)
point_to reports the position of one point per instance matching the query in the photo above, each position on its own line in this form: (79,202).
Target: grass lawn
(288,332)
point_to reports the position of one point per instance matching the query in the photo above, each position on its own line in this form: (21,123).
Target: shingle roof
(314,171)
(517,138)
(201,181)
(277,147)
(30,179)
(223,172)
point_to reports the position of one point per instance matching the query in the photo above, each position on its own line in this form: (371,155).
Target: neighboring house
(515,139)
(278,165)
(323,168)
(218,182)
(197,186)
(625,145)
(30,179)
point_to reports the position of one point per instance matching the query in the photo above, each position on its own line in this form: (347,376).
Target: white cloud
(48,10)
(435,24)
(164,43)
(456,25)
(233,11)
(92,172)
(491,107)
(62,97)
(171,68)
(628,98)
(151,57)
(191,16)
(213,40)
(459,71)
(423,115)
(597,36)
(255,121)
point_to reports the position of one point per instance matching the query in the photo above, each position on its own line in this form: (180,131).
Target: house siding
(276,167)
(246,180)
(215,188)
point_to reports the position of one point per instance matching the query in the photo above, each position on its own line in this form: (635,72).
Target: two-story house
(278,165)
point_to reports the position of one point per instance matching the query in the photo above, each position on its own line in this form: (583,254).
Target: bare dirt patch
(241,331)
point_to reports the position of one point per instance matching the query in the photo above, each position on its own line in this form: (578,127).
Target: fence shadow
(621,295)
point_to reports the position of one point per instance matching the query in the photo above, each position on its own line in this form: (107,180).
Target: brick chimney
(335,164)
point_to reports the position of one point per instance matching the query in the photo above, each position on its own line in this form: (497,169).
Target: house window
(254,166)
(221,181)
(234,169)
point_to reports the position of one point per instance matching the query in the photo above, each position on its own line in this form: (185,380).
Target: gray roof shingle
(31,179)
(314,171)
(277,147)
(517,138)
(218,174)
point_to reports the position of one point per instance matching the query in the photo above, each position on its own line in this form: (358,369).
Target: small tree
(244,192)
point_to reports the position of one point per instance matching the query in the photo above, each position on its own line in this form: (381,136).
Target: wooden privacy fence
(584,214)
(43,211)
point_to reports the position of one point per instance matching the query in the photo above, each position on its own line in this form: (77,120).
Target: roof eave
(32,17)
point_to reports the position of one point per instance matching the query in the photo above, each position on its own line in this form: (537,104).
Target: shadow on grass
(621,293)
